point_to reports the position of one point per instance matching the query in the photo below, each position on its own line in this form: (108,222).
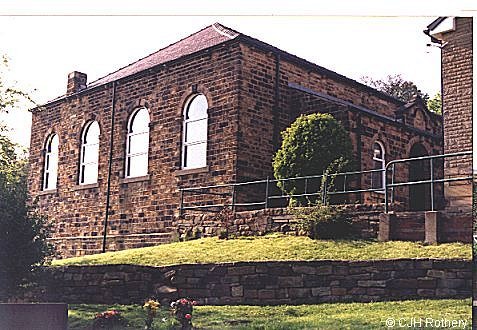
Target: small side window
(50,168)
(379,162)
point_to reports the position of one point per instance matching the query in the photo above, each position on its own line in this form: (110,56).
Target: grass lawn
(323,316)
(271,247)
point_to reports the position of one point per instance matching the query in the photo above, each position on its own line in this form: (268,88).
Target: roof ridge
(161,49)
(225,31)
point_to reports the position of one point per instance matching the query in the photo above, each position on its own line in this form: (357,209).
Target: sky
(44,43)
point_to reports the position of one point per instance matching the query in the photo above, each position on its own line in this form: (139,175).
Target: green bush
(23,232)
(323,221)
(312,145)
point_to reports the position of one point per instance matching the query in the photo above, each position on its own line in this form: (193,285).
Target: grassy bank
(323,316)
(271,247)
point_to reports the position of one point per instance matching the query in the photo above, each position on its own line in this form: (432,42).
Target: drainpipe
(276,103)
(110,164)
(359,130)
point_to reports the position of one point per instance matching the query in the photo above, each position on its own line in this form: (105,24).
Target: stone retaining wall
(260,283)
(365,219)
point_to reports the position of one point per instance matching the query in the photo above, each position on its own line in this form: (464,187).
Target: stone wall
(261,283)
(143,205)
(451,226)
(457,61)
(365,218)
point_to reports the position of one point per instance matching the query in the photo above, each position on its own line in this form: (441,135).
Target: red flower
(194,302)
(184,301)
(188,316)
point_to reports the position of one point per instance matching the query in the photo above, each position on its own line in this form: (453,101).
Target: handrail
(430,181)
(202,190)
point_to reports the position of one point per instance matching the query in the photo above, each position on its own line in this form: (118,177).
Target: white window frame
(84,146)
(50,157)
(382,161)
(129,135)
(186,122)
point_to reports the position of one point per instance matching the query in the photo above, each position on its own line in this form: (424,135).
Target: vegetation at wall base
(323,221)
(268,248)
(364,316)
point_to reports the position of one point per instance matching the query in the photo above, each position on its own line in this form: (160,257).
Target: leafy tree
(23,232)
(435,104)
(310,146)
(9,94)
(396,86)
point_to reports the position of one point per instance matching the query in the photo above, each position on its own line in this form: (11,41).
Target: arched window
(194,141)
(379,164)
(50,171)
(137,144)
(89,153)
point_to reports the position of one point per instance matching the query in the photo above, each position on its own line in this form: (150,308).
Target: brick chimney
(76,82)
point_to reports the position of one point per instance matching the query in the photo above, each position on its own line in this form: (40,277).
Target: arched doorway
(419,195)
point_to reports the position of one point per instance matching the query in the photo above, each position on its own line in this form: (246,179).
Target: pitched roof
(210,36)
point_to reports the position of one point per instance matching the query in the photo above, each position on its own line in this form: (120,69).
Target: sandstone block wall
(147,204)
(457,72)
(261,283)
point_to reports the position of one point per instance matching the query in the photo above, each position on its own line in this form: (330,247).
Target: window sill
(188,171)
(48,192)
(85,186)
(136,179)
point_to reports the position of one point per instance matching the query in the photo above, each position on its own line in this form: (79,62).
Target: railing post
(233,198)
(385,177)
(266,192)
(325,187)
(432,184)
(392,182)
(181,205)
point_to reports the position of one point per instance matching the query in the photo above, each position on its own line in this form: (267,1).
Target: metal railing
(345,187)
(341,188)
(432,181)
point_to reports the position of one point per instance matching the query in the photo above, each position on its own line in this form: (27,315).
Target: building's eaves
(369,112)
(436,23)
(432,26)
(295,59)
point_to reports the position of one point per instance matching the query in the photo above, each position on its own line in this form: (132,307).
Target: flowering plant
(151,306)
(108,320)
(182,310)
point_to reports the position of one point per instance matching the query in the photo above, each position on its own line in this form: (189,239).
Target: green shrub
(23,232)
(323,221)
(311,145)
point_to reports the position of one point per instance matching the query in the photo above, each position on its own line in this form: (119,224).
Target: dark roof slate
(210,36)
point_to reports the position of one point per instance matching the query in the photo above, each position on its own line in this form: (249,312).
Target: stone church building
(205,110)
